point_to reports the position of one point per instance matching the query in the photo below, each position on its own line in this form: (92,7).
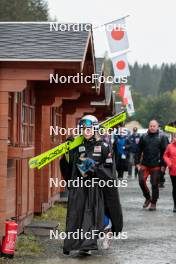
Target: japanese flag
(128,101)
(121,90)
(120,66)
(117,35)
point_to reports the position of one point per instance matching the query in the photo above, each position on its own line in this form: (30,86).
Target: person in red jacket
(170,159)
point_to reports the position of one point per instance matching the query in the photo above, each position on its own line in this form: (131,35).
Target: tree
(108,68)
(145,79)
(168,79)
(23,10)
(161,108)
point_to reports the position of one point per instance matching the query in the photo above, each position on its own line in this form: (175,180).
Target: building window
(56,121)
(10,118)
(26,103)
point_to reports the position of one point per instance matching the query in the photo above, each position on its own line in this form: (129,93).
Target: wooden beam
(57,102)
(67,93)
(3,159)
(85,109)
(12,85)
(74,65)
(25,74)
(46,100)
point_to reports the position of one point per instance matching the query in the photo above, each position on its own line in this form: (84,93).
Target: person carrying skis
(87,206)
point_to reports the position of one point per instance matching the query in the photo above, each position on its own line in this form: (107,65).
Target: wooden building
(105,104)
(30,104)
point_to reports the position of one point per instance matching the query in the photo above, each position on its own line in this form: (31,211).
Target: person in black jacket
(121,154)
(149,160)
(133,146)
(87,205)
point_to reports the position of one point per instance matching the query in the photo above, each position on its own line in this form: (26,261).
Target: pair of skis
(45,158)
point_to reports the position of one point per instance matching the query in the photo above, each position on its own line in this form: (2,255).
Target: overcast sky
(151,25)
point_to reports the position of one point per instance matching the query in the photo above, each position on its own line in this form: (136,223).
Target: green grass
(27,245)
(56,213)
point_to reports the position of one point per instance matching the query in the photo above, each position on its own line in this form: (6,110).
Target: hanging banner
(121,90)
(128,101)
(120,66)
(117,35)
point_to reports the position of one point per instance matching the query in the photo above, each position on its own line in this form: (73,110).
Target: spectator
(133,145)
(149,160)
(121,146)
(170,159)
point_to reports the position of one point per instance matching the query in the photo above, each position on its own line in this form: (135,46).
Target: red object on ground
(9,240)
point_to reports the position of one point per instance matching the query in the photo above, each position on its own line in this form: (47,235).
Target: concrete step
(63,197)
(41,228)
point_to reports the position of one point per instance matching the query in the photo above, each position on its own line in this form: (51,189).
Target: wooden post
(3,155)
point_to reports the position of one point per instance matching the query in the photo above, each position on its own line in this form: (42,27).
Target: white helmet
(88,121)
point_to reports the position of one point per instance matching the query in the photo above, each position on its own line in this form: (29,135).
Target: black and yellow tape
(170,129)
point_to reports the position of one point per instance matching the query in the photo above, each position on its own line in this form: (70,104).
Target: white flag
(120,66)
(117,35)
(128,101)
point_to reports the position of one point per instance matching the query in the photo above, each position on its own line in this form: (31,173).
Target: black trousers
(154,173)
(162,178)
(131,163)
(120,166)
(173,180)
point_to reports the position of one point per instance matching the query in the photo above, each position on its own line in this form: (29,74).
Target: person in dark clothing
(121,145)
(87,205)
(149,160)
(108,139)
(162,179)
(133,145)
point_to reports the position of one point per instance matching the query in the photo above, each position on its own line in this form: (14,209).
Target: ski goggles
(86,123)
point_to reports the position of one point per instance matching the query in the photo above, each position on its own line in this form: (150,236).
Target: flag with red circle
(128,101)
(120,66)
(117,35)
(121,90)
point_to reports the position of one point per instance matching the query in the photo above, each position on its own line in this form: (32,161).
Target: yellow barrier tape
(170,129)
(114,120)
